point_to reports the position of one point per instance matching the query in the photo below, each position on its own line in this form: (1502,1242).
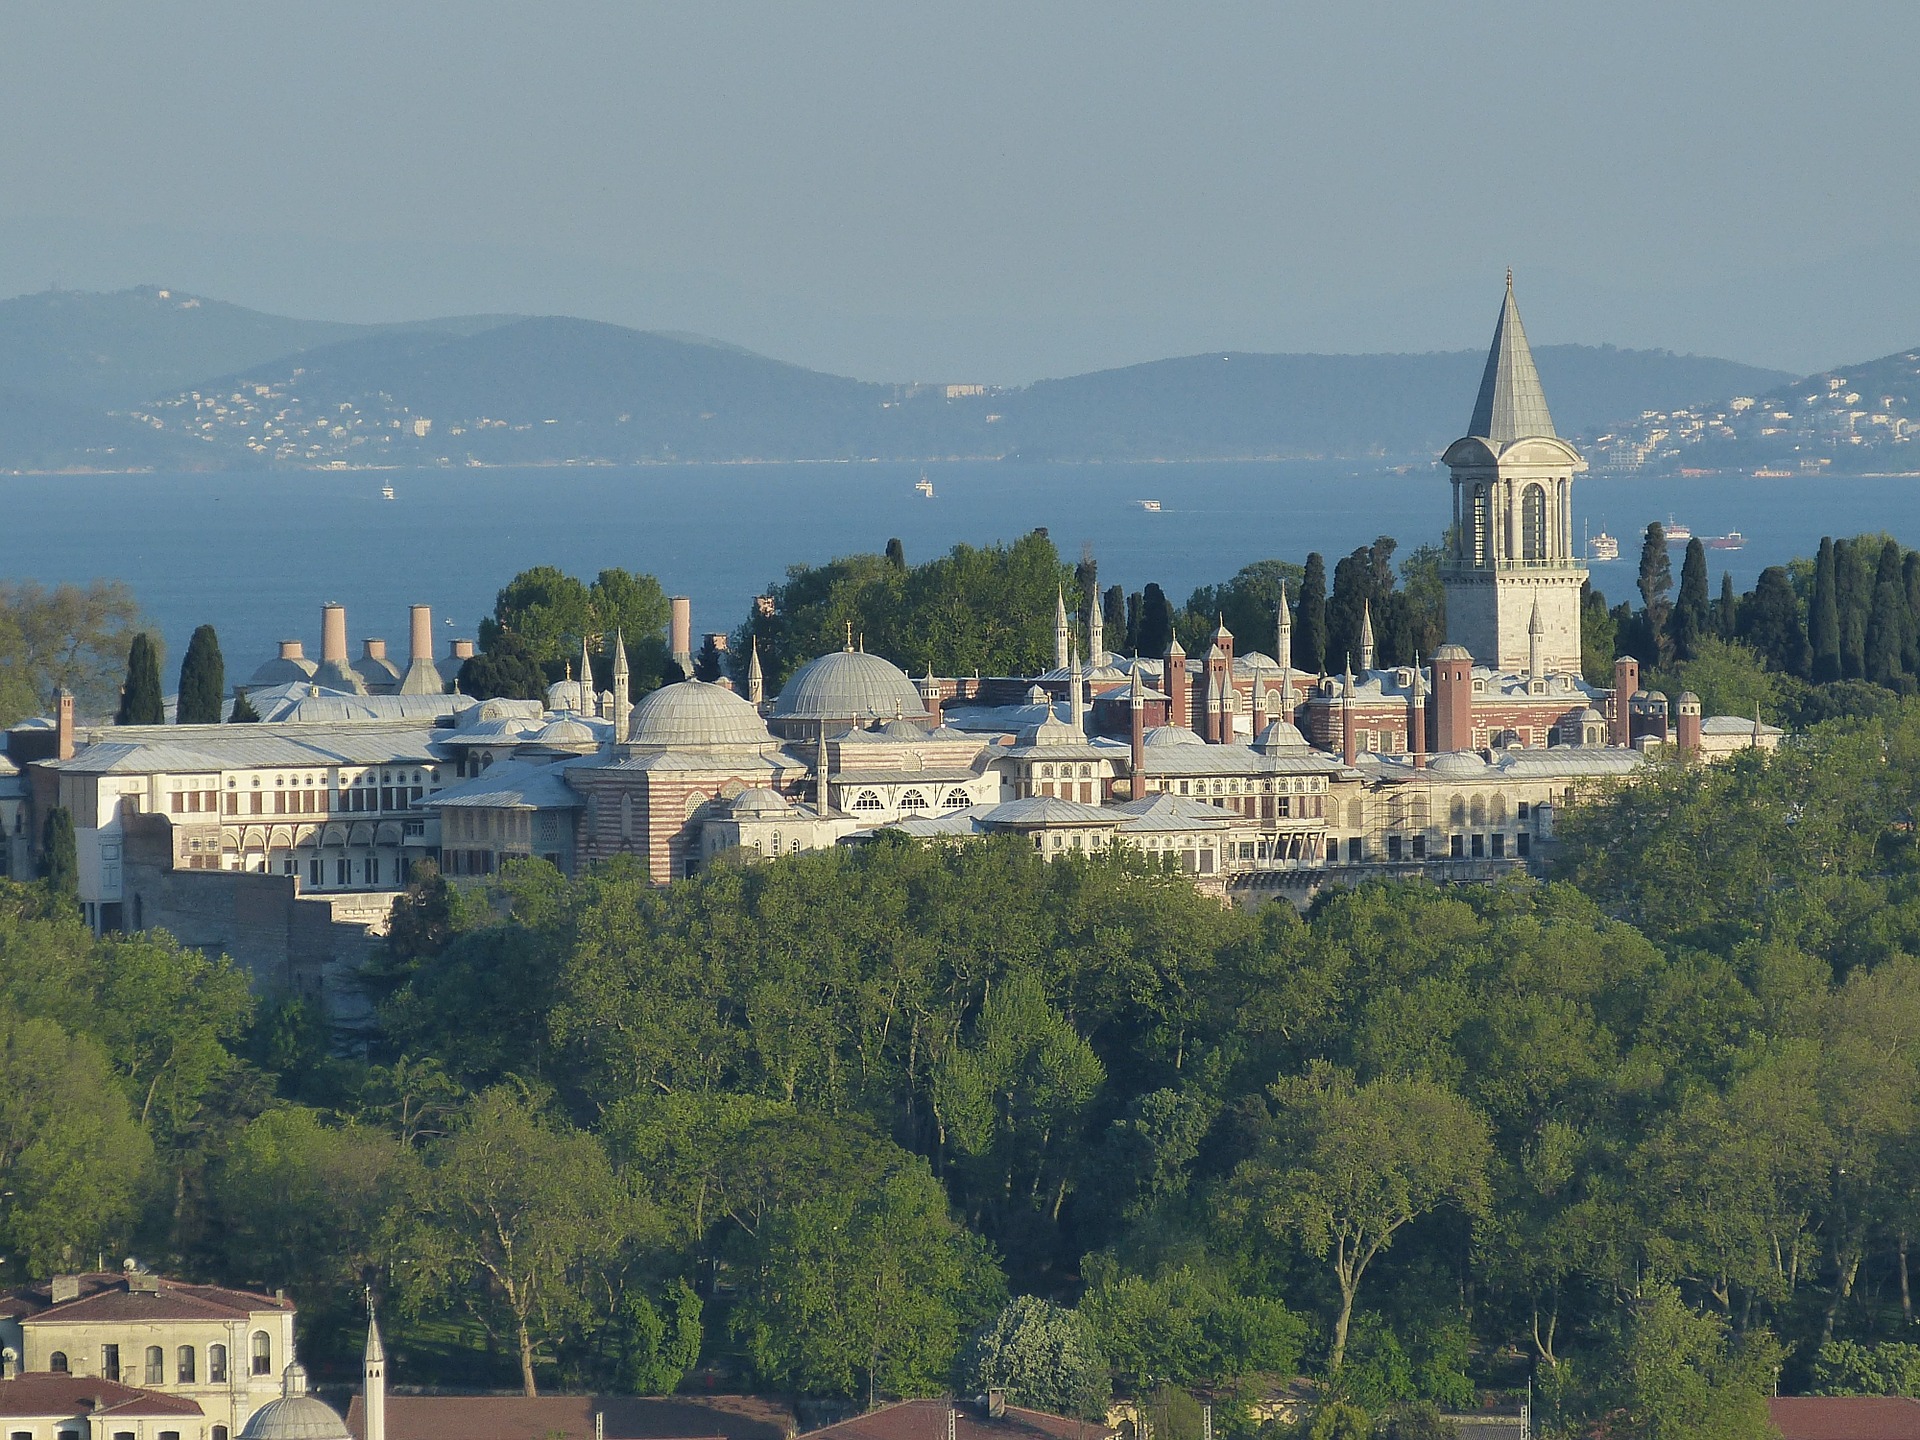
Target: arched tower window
(1533,523)
(1479,527)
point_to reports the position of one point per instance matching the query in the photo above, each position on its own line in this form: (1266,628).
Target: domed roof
(848,685)
(1172,735)
(693,713)
(1280,735)
(1452,652)
(1591,716)
(565,732)
(759,800)
(901,729)
(296,1415)
(570,695)
(1461,763)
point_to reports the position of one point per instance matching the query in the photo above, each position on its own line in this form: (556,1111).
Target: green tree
(1043,1356)
(709,665)
(1156,622)
(896,554)
(1426,597)
(546,609)
(863,1288)
(71,637)
(242,712)
(1672,1374)
(1249,603)
(1310,616)
(1770,623)
(1188,1324)
(508,668)
(1847,1367)
(656,1344)
(1853,599)
(633,607)
(1726,610)
(1692,611)
(1345,1167)
(140,699)
(1113,617)
(1599,637)
(1887,638)
(1729,678)
(514,1217)
(1823,616)
(203,680)
(73,1161)
(1656,610)
(59,857)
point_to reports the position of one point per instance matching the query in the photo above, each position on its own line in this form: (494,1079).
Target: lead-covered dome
(296,1415)
(848,685)
(692,713)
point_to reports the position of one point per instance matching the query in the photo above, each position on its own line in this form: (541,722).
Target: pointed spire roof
(376,1352)
(1366,623)
(1059,608)
(1286,614)
(1511,404)
(620,651)
(1536,625)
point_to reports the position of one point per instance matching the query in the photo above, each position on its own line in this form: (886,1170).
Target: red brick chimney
(1453,698)
(1687,730)
(1175,683)
(63,725)
(1626,684)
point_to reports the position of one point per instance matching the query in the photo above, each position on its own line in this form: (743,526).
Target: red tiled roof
(1846,1417)
(927,1420)
(40,1393)
(516,1417)
(105,1297)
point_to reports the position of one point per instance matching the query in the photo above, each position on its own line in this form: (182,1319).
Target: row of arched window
(869,800)
(186,1368)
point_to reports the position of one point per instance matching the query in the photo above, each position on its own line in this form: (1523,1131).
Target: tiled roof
(39,1394)
(200,749)
(1845,1417)
(1511,404)
(105,1297)
(511,785)
(570,1417)
(927,1420)
(1161,813)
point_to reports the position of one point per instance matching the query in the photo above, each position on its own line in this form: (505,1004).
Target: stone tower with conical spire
(622,686)
(1513,548)
(1062,636)
(374,1398)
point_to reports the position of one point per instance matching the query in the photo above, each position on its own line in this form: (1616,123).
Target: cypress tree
(1310,617)
(1770,623)
(1113,615)
(1692,615)
(1352,587)
(1134,600)
(242,712)
(1727,615)
(140,700)
(708,665)
(1853,598)
(59,857)
(896,554)
(1656,583)
(1888,622)
(1156,622)
(1823,617)
(1910,578)
(203,680)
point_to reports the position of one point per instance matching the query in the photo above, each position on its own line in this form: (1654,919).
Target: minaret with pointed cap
(1366,636)
(586,678)
(375,1397)
(1096,632)
(1536,636)
(1513,551)
(1283,652)
(622,686)
(756,679)
(1062,637)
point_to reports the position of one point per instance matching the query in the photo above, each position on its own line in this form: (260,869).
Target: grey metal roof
(1511,404)
(1161,813)
(905,777)
(1045,810)
(848,684)
(198,749)
(693,713)
(511,785)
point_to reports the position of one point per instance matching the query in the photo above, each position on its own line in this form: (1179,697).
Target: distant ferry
(1732,540)
(1603,547)
(1677,534)
(925,486)
(1152,505)
(386,492)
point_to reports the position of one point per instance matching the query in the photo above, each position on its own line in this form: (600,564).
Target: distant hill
(154,378)
(1235,405)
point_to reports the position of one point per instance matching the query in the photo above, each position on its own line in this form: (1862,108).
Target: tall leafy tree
(896,554)
(515,1218)
(1770,623)
(59,857)
(1889,623)
(1853,599)
(69,637)
(1310,617)
(1726,613)
(1156,621)
(203,680)
(1043,1356)
(1113,616)
(140,700)
(1656,610)
(709,665)
(1692,611)
(1823,616)
(1599,637)
(1345,1168)
(1353,591)
(507,668)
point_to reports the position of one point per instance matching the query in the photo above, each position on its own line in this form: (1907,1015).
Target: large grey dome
(694,713)
(296,1415)
(848,685)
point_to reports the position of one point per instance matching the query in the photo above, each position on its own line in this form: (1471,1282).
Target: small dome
(1280,735)
(1050,731)
(570,695)
(1172,735)
(296,1415)
(848,685)
(694,713)
(565,733)
(1591,716)
(901,729)
(1687,697)
(759,800)
(1459,763)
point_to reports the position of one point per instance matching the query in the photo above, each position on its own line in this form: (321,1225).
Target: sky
(991,192)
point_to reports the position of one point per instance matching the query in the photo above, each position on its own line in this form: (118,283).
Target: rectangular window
(1479,847)
(179,800)
(1419,847)
(1393,847)
(185,1370)
(1353,849)
(259,803)
(341,871)
(313,870)
(110,1362)
(1525,810)
(1499,847)
(1458,846)
(233,803)
(1523,842)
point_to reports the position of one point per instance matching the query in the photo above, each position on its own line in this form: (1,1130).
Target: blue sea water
(258,554)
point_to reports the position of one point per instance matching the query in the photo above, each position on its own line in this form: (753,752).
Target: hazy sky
(991,191)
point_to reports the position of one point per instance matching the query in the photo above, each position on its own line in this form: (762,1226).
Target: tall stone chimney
(1452,698)
(333,635)
(1349,741)
(420,633)
(292,650)
(1626,684)
(63,724)
(1417,720)
(1687,725)
(462,649)
(1174,682)
(680,632)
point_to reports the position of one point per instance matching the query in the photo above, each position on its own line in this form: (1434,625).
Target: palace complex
(283,843)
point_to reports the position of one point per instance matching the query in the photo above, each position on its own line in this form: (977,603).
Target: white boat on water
(386,492)
(1150,505)
(925,486)
(1603,547)
(1677,534)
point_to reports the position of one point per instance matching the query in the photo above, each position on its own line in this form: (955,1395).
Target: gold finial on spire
(1509,279)
(849,637)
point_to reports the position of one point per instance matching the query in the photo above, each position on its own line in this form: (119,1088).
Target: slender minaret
(756,681)
(1283,652)
(1137,750)
(376,1380)
(622,686)
(1077,693)
(820,792)
(1349,741)
(1096,632)
(1417,721)
(1366,637)
(1062,639)
(586,678)
(1536,649)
